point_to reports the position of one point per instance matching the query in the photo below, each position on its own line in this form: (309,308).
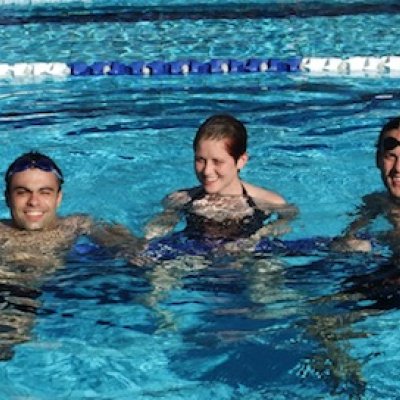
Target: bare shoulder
(5,224)
(6,228)
(374,197)
(377,202)
(264,195)
(78,223)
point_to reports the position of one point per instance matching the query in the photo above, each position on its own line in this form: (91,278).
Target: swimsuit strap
(199,194)
(250,200)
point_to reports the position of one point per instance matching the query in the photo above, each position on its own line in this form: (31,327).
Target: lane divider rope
(319,65)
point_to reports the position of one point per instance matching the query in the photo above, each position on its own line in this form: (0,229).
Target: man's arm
(348,241)
(115,237)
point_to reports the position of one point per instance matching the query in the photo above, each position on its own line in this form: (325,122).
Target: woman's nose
(207,167)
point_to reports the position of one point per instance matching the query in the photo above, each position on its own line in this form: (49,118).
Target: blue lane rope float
(318,65)
(181,67)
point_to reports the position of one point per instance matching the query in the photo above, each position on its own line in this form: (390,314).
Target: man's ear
(242,161)
(7,198)
(378,159)
(59,197)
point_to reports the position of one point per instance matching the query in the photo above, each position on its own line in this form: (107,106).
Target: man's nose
(33,199)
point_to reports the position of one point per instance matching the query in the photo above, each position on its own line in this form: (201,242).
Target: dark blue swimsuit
(230,229)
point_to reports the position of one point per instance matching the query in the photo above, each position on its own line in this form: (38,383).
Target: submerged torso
(28,255)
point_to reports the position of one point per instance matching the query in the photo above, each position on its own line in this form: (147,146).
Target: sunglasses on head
(42,164)
(390,143)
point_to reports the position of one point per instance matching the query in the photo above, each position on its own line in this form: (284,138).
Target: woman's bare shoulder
(263,195)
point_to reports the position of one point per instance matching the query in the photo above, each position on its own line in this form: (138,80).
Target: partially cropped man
(384,203)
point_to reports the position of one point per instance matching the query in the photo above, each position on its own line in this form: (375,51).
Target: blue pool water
(229,327)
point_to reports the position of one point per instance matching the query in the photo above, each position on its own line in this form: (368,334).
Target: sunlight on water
(291,319)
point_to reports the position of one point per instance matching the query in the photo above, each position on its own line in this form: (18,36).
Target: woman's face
(216,169)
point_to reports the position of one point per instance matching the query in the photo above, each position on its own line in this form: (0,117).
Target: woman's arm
(164,222)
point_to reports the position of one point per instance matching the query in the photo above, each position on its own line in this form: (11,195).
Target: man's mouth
(34,214)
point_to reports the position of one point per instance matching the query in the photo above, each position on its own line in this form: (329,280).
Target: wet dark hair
(32,159)
(392,124)
(224,126)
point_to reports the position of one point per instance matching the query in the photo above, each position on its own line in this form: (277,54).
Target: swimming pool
(220,326)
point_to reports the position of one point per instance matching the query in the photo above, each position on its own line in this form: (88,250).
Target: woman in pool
(223,206)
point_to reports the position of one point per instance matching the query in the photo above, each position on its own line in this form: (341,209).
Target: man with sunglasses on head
(386,204)
(35,233)
(34,241)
